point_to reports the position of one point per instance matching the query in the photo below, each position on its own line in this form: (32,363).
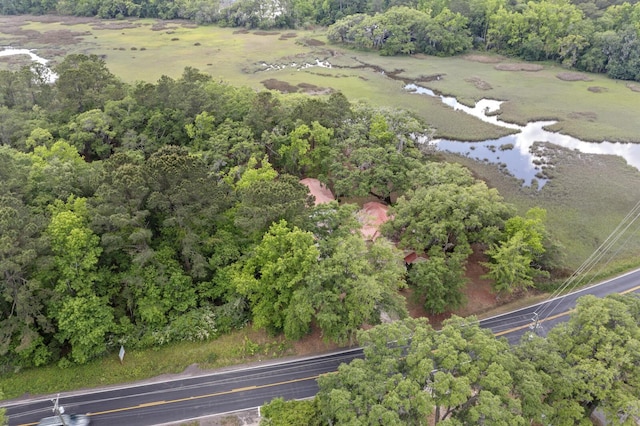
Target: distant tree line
(156,212)
(601,36)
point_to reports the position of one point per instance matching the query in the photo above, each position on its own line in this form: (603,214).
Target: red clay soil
(479,296)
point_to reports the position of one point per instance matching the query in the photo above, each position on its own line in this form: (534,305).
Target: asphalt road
(249,387)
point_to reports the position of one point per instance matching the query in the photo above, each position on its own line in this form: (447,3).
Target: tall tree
(591,361)
(379,389)
(84,83)
(447,216)
(273,279)
(440,279)
(354,285)
(516,260)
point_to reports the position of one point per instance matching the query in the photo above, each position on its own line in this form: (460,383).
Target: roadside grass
(243,346)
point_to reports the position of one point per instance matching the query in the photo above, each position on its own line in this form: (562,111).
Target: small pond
(514,152)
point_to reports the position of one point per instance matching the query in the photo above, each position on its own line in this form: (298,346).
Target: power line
(576,278)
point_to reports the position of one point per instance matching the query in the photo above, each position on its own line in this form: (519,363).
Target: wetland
(586,194)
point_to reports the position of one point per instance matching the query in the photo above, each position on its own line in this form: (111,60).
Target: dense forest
(594,36)
(149,213)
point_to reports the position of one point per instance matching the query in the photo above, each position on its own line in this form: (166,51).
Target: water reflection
(514,152)
(49,75)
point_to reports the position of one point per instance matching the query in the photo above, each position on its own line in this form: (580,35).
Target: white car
(69,420)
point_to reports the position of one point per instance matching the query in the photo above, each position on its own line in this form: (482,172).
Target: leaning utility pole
(58,410)
(535,323)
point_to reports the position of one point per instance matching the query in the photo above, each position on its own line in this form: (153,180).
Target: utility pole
(58,410)
(535,323)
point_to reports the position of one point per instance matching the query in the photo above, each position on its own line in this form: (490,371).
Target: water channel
(48,73)
(514,151)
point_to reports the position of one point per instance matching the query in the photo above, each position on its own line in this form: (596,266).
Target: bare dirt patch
(479,83)
(61,37)
(266,33)
(634,87)
(279,85)
(597,89)
(519,67)
(584,115)
(483,59)
(312,42)
(118,25)
(241,32)
(286,87)
(162,25)
(479,295)
(313,343)
(573,76)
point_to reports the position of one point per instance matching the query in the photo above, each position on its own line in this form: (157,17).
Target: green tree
(265,202)
(447,216)
(379,389)
(183,202)
(84,322)
(440,280)
(3,419)
(91,133)
(58,172)
(273,278)
(279,412)
(354,285)
(84,83)
(22,297)
(515,261)
(590,362)
(75,248)
(468,373)
(445,34)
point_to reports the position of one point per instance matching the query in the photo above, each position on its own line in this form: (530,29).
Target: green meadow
(585,201)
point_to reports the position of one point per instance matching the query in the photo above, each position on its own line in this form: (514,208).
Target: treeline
(542,30)
(463,375)
(150,213)
(601,37)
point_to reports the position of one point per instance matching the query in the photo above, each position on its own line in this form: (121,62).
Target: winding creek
(48,73)
(515,153)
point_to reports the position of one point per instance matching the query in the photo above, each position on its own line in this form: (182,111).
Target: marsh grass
(235,56)
(243,346)
(586,199)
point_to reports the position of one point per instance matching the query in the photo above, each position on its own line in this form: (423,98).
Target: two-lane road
(249,387)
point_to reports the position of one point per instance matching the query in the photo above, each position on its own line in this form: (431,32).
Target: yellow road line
(522,327)
(190,398)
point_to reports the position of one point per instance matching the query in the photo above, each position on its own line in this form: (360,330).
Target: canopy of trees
(594,36)
(462,375)
(150,213)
